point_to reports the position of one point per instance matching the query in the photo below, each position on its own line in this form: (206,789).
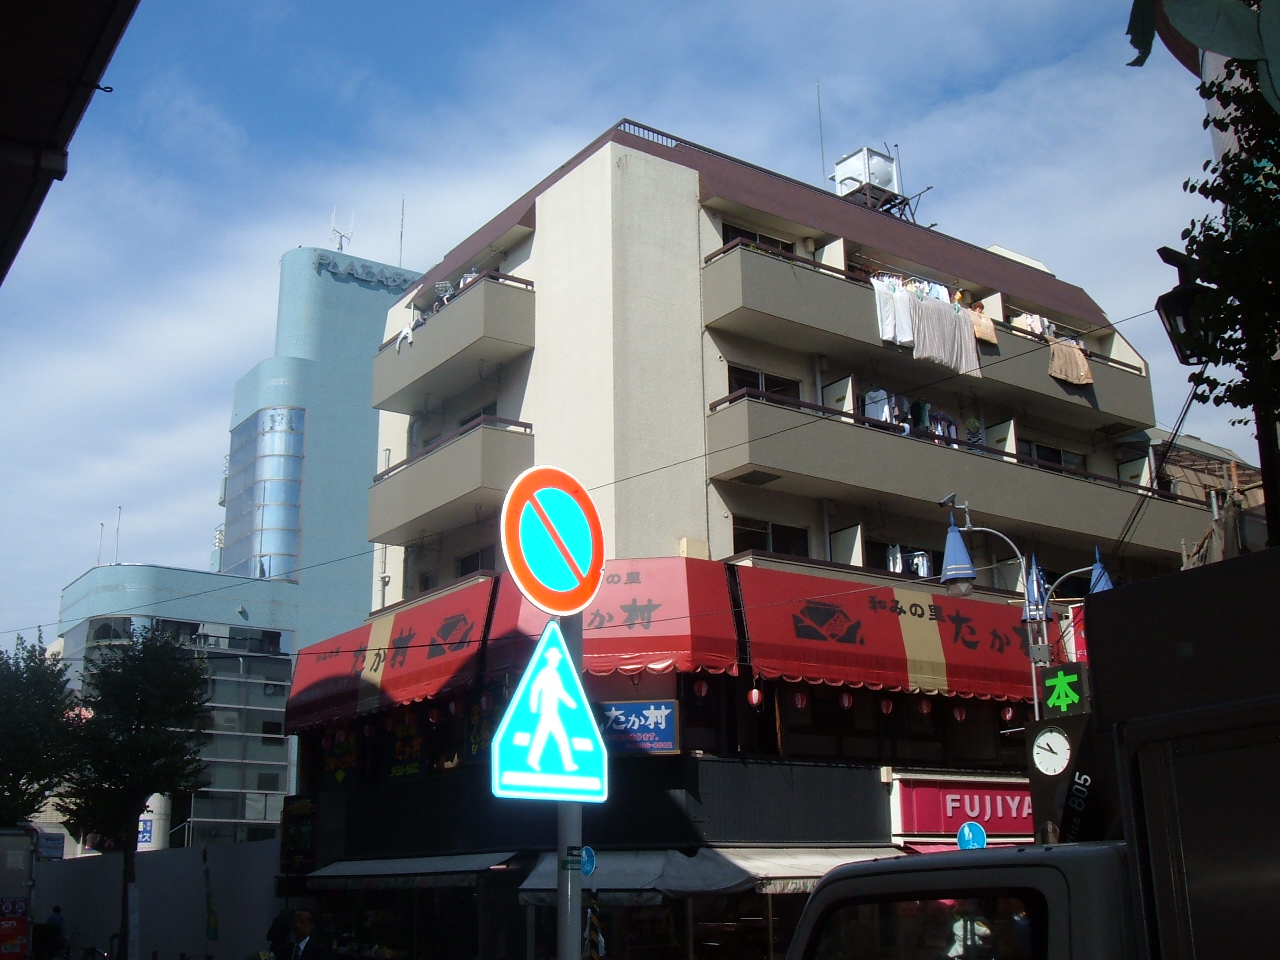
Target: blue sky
(149,282)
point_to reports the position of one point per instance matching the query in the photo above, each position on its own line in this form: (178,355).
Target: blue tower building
(291,563)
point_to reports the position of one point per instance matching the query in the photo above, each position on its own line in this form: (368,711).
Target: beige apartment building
(700,341)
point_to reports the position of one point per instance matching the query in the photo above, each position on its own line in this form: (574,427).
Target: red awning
(420,650)
(844,632)
(660,615)
(433,646)
(656,615)
(326,680)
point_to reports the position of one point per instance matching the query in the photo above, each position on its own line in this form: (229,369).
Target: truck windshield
(973,925)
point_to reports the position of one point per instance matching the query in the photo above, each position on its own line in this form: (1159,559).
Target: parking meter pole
(569,844)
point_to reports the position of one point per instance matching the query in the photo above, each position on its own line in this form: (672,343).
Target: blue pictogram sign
(971,836)
(588,861)
(548,746)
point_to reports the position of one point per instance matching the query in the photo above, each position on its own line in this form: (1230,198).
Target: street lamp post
(958,575)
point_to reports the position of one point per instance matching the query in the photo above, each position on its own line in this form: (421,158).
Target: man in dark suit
(306,947)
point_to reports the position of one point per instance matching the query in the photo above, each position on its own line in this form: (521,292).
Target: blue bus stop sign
(971,836)
(548,746)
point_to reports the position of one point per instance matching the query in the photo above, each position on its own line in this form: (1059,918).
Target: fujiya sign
(940,807)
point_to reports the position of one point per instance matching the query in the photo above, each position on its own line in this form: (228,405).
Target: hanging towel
(904,329)
(877,405)
(984,327)
(966,346)
(884,307)
(1067,362)
(933,340)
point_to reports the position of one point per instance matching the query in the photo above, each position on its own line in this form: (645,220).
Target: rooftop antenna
(822,143)
(101,527)
(119,514)
(336,236)
(400,262)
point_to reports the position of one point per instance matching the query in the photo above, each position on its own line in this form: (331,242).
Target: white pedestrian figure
(544,699)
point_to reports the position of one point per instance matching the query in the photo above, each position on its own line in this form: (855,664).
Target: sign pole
(569,841)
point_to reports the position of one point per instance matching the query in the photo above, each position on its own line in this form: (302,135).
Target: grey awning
(451,871)
(722,870)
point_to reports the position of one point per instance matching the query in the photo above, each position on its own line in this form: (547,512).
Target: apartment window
(488,410)
(732,233)
(744,378)
(482,559)
(772,537)
(426,581)
(1051,457)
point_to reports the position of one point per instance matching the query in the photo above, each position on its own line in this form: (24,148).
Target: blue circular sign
(588,861)
(971,836)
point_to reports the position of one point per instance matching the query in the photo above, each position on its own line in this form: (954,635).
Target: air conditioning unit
(867,166)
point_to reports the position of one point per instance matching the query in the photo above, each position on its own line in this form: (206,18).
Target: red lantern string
(755,697)
(886,706)
(846,700)
(801,699)
(925,706)
(700,688)
(959,713)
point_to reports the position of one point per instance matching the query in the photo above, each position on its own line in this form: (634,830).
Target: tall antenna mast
(119,514)
(336,236)
(822,142)
(400,262)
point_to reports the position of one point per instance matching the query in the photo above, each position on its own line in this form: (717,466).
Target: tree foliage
(34,703)
(1238,249)
(140,732)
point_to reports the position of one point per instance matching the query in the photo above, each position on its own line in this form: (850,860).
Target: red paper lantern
(340,736)
(701,688)
(1006,713)
(959,713)
(886,706)
(801,699)
(455,707)
(434,715)
(755,697)
(486,702)
(846,700)
(925,706)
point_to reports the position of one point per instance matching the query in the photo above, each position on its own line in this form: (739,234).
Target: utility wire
(603,486)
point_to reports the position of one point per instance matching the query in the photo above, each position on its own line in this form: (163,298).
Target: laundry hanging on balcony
(944,334)
(1068,363)
(893,309)
(984,328)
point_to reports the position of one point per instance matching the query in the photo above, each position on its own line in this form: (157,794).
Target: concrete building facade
(624,324)
(702,342)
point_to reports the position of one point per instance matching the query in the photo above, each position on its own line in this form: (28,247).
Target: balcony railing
(448,438)
(470,285)
(902,430)
(859,278)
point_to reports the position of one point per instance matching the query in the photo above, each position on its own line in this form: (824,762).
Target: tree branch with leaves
(139,732)
(34,703)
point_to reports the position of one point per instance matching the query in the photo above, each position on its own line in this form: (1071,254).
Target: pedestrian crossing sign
(548,746)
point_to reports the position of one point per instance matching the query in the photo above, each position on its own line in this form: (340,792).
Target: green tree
(34,703)
(140,732)
(1236,252)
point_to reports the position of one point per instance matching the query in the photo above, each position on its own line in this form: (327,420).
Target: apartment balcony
(487,324)
(441,487)
(798,304)
(811,451)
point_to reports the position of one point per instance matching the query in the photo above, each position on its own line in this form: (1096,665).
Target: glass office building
(264,495)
